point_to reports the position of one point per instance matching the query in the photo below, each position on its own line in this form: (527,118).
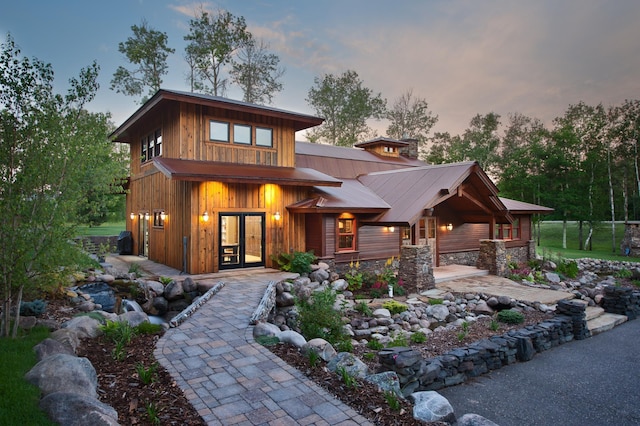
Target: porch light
(132,215)
(276,216)
(163,215)
(146,216)
(450,227)
(391,228)
(205,217)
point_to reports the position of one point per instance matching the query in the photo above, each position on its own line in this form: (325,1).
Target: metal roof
(520,207)
(347,163)
(352,196)
(205,171)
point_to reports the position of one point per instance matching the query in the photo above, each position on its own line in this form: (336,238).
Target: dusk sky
(463,57)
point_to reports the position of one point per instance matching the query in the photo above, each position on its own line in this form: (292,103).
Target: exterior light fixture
(205,217)
(276,216)
(163,215)
(132,215)
(392,229)
(450,227)
(146,216)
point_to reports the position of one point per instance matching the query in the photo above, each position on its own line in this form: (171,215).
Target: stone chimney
(411,150)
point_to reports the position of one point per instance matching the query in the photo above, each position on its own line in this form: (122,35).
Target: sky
(463,57)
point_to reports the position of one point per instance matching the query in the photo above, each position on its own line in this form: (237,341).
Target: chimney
(411,150)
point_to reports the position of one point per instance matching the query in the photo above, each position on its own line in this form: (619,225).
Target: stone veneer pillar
(416,268)
(493,257)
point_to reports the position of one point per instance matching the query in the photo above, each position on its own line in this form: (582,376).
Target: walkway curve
(230,379)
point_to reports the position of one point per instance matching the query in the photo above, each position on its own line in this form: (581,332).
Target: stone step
(605,322)
(593,312)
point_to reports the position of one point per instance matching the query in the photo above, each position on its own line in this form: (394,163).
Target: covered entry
(242,240)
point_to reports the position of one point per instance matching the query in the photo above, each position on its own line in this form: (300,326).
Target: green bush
(317,318)
(400,340)
(509,316)
(148,328)
(418,337)
(394,306)
(623,273)
(374,344)
(435,301)
(299,261)
(568,268)
(363,308)
(33,309)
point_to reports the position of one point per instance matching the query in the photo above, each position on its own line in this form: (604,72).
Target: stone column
(416,268)
(493,257)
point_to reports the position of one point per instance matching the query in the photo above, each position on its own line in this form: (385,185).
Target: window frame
(509,231)
(262,129)
(238,126)
(352,233)
(225,123)
(158,222)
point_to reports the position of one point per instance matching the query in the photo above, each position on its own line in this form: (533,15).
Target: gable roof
(520,207)
(299,121)
(352,196)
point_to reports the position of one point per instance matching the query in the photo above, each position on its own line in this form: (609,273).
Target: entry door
(143,235)
(241,240)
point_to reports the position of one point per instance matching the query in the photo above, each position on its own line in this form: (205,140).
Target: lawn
(551,241)
(106,229)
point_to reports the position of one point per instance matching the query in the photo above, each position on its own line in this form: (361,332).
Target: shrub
(509,316)
(298,261)
(148,328)
(33,309)
(436,301)
(363,308)
(354,277)
(317,318)
(418,337)
(399,340)
(568,268)
(394,306)
(623,273)
(374,344)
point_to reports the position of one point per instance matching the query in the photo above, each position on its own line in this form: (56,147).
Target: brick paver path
(230,379)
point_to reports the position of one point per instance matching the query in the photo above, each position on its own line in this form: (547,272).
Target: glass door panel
(229,240)
(241,240)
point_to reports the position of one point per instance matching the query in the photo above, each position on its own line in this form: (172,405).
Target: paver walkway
(230,379)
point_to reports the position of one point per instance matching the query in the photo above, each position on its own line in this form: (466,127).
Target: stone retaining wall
(621,301)
(459,365)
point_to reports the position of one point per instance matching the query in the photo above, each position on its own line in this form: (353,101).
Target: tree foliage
(346,105)
(147,49)
(51,151)
(410,117)
(213,42)
(257,72)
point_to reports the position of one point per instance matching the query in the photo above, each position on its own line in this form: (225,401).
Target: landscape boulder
(430,406)
(64,373)
(72,409)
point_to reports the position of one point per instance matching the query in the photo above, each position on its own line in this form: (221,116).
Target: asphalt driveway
(589,382)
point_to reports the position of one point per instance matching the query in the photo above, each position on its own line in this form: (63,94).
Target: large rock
(352,365)
(285,299)
(319,275)
(85,326)
(323,348)
(71,409)
(189,285)
(156,287)
(64,373)
(439,312)
(339,285)
(292,337)
(265,329)
(160,304)
(430,406)
(382,313)
(387,381)
(481,308)
(174,291)
(134,318)
(50,347)
(474,420)
(68,337)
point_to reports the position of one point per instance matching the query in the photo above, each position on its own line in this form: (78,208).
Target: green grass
(551,241)
(106,229)
(18,398)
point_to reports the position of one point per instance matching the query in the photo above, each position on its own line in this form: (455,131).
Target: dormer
(383,146)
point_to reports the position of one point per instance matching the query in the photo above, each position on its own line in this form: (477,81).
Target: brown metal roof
(520,207)
(410,191)
(347,163)
(352,196)
(299,121)
(382,141)
(205,171)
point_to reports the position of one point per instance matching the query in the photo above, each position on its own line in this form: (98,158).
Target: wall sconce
(391,228)
(146,216)
(276,216)
(205,217)
(163,215)
(132,215)
(450,227)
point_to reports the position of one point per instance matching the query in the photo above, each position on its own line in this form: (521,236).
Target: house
(218,184)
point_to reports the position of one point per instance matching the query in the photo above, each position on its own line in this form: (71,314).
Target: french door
(241,241)
(143,235)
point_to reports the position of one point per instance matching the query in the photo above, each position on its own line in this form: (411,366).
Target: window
(218,131)
(389,149)
(151,146)
(242,134)
(264,137)
(508,231)
(346,234)
(158,218)
(239,134)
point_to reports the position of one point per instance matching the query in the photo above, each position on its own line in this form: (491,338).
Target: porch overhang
(209,171)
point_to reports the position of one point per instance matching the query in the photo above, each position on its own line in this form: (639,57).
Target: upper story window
(240,134)
(391,149)
(346,233)
(218,131)
(158,218)
(151,146)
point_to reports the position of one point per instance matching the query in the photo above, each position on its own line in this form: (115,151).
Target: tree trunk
(587,243)
(580,235)
(611,201)
(564,232)
(16,323)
